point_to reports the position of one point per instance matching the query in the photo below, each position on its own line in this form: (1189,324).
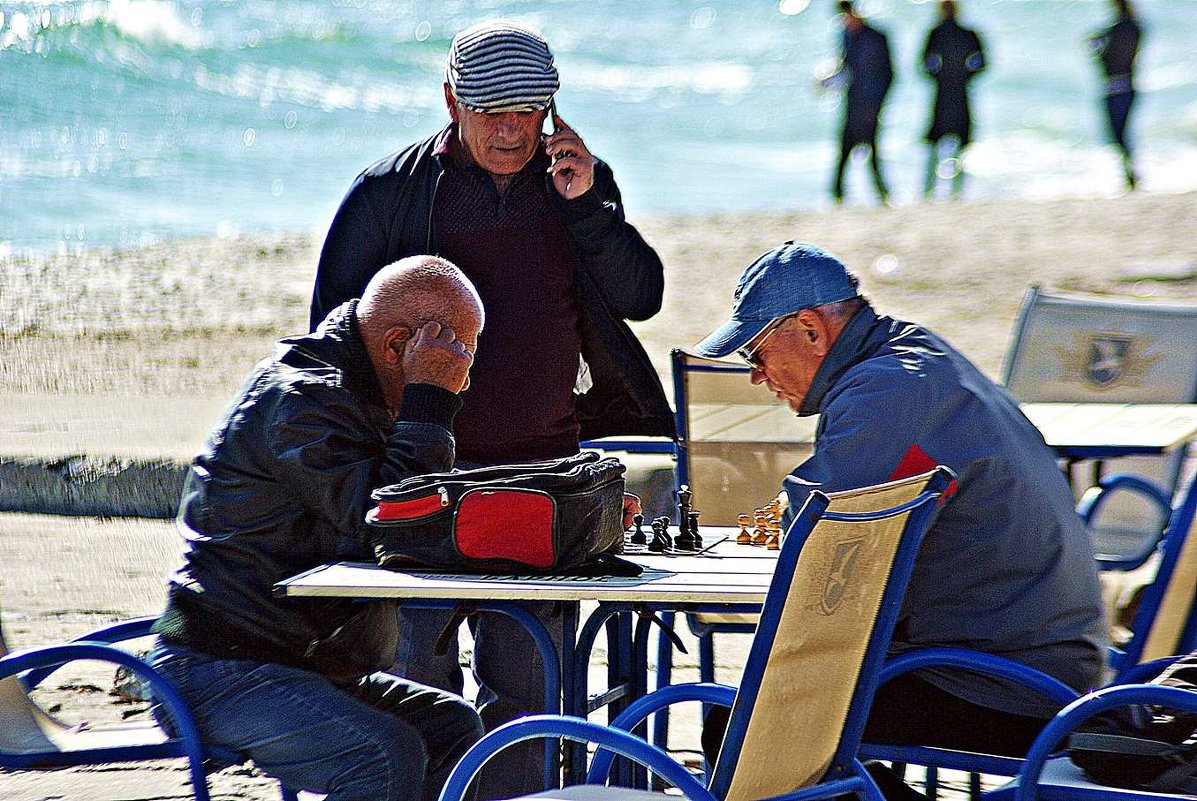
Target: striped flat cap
(501,66)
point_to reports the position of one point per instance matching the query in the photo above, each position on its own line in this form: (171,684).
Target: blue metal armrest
(988,664)
(117,632)
(188,741)
(1071,716)
(538,726)
(1095,497)
(641,708)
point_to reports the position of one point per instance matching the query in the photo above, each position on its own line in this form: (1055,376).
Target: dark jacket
(867,62)
(952,56)
(1116,49)
(1007,566)
(282,485)
(388,215)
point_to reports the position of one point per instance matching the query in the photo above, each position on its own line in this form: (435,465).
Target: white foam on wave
(267,85)
(155,22)
(642,82)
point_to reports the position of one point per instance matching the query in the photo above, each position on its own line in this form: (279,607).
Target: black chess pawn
(693,518)
(638,536)
(660,542)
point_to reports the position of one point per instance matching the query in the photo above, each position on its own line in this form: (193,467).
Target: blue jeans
(382,738)
(510,675)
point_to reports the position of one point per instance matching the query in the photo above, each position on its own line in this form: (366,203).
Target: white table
(727,578)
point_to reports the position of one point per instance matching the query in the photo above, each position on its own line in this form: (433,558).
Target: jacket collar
(858,339)
(341,324)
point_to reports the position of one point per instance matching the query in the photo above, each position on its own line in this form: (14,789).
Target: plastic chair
(812,670)
(1098,349)
(33,739)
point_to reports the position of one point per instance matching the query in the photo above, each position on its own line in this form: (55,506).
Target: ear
(815,332)
(451,103)
(394,342)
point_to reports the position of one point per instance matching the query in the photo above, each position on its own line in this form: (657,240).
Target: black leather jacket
(283,485)
(387,215)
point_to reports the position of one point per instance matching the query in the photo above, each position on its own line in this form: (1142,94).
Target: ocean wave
(49,27)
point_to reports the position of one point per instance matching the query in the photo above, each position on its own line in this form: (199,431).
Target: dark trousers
(910,711)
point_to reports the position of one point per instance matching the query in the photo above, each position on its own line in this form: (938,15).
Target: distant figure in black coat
(952,56)
(866,68)
(1116,48)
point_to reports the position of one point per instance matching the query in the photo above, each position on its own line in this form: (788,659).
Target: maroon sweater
(516,250)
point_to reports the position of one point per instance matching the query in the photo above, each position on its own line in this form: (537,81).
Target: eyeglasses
(752,356)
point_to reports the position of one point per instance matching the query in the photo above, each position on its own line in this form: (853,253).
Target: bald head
(417,290)
(404,298)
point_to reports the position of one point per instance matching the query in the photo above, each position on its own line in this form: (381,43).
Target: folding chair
(1097,349)
(734,444)
(33,739)
(1165,622)
(812,670)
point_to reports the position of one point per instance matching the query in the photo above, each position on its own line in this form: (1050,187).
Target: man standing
(1006,567)
(1116,48)
(952,57)
(537,223)
(866,67)
(282,486)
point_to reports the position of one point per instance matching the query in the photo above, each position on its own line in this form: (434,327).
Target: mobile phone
(551,117)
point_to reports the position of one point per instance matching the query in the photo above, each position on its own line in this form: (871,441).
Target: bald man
(282,485)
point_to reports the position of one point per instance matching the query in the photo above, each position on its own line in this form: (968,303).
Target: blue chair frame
(33,665)
(845,774)
(1125,663)
(1054,778)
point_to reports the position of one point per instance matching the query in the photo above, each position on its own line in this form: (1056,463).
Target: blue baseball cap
(789,278)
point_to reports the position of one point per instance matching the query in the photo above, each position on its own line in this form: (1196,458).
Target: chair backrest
(734,439)
(1097,349)
(825,626)
(1165,623)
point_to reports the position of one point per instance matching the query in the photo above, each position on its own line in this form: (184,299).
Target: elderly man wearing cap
(1006,568)
(537,223)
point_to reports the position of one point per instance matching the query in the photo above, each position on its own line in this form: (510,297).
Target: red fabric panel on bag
(506,524)
(406,510)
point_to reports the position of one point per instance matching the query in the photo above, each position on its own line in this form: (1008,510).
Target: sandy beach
(189,318)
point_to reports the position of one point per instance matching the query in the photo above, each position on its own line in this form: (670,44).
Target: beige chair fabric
(26,728)
(1169,622)
(815,660)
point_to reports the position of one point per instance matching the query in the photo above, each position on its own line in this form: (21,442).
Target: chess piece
(760,533)
(684,541)
(743,538)
(660,542)
(638,537)
(773,536)
(694,535)
(683,518)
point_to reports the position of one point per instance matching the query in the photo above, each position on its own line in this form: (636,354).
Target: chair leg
(664,676)
(974,786)
(931,786)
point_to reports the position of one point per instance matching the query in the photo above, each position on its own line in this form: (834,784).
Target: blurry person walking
(1116,49)
(952,57)
(867,71)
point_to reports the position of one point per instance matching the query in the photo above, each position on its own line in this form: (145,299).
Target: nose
(756,376)
(509,123)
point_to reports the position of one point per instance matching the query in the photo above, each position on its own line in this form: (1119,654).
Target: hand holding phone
(572,165)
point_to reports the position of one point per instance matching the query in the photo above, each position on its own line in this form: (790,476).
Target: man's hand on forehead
(434,355)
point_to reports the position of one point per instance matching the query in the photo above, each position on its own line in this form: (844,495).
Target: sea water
(124,122)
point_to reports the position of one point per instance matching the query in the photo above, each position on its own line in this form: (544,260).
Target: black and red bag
(542,517)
